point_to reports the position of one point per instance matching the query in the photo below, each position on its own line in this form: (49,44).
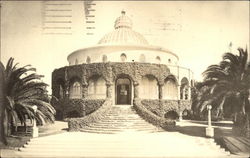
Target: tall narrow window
(123,57)
(88,60)
(104,58)
(158,60)
(76,62)
(142,58)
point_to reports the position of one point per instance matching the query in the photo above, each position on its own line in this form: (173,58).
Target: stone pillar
(180,115)
(84,90)
(179,92)
(209,129)
(189,93)
(34,128)
(180,111)
(67,87)
(161,91)
(109,90)
(183,93)
(136,90)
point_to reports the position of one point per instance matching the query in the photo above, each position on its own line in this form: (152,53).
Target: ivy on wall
(76,107)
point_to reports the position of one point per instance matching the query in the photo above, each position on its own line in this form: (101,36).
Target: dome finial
(123,21)
(123,12)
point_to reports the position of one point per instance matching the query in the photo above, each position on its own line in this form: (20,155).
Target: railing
(151,117)
(75,124)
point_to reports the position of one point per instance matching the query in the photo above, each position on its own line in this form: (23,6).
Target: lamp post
(209,129)
(34,128)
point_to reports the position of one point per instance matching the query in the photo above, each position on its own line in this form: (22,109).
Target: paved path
(126,144)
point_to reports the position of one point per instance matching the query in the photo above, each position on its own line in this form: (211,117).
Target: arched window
(123,57)
(104,58)
(76,62)
(142,58)
(88,60)
(170,90)
(75,90)
(158,60)
(96,88)
(184,89)
(149,88)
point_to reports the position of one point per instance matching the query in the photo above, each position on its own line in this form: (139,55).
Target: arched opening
(75,91)
(184,89)
(104,58)
(96,88)
(149,87)
(170,89)
(123,57)
(173,115)
(123,90)
(142,58)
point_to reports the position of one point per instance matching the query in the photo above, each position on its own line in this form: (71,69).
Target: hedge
(151,117)
(75,124)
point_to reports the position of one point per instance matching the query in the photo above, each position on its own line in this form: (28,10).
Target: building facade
(123,66)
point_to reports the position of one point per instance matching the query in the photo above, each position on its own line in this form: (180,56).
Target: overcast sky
(204,31)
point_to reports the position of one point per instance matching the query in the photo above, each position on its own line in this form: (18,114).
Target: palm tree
(229,79)
(2,106)
(24,89)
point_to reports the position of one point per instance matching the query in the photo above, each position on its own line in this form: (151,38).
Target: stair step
(119,119)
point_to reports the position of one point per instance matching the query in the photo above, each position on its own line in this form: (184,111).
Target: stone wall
(135,71)
(161,107)
(78,107)
(109,71)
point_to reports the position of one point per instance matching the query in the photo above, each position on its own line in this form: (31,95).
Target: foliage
(24,90)
(152,117)
(75,124)
(230,79)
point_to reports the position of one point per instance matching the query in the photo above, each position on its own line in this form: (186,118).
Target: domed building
(122,67)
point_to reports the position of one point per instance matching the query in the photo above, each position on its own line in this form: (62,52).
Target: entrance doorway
(123,91)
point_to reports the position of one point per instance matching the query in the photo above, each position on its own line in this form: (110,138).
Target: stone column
(189,92)
(67,87)
(136,90)
(183,93)
(161,90)
(84,90)
(179,92)
(180,110)
(180,117)
(109,90)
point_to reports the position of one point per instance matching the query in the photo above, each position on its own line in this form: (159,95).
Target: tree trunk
(2,106)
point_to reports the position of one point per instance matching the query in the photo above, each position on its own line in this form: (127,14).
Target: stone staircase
(121,118)
(131,144)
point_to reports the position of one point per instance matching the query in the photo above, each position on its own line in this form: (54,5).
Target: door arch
(123,91)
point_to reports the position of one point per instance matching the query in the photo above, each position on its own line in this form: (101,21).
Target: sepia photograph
(155,79)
